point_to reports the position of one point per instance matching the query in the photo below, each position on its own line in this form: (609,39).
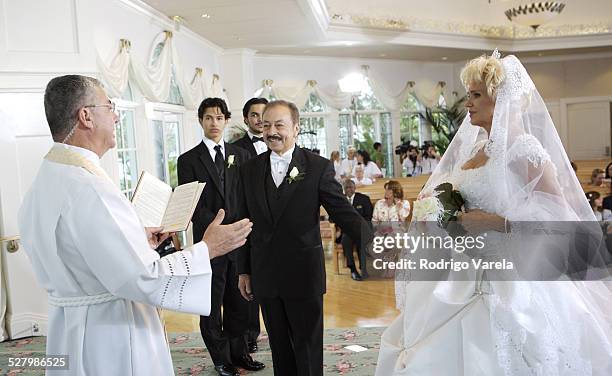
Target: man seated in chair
(363,206)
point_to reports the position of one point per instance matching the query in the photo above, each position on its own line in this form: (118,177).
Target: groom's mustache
(274,137)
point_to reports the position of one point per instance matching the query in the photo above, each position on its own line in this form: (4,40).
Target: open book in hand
(158,206)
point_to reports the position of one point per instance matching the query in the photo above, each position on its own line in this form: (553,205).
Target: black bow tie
(255,139)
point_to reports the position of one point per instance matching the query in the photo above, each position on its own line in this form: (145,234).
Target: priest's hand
(221,239)
(244,285)
(155,237)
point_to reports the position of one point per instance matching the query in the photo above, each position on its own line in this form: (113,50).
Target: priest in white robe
(92,255)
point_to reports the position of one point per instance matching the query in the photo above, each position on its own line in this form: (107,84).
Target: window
(410,120)
(344,123)
(312,125)
(166,129)
(365,123)
(127,161)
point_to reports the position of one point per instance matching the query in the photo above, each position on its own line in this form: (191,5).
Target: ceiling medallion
(535,14)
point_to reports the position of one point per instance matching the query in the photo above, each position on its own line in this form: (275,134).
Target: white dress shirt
(351,198)
(279,165)
(370,170)
(348,165)
(260,146)
(210,144)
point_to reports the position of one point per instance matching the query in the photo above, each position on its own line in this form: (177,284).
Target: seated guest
(412,163)
(349,163)
(392,207)
(597,205)
(360,179)
(335,158)
(430,160)
(363,206)
(597,178)
(370,169)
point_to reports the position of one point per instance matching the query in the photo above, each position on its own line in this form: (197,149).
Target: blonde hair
(334,154)
(486,69)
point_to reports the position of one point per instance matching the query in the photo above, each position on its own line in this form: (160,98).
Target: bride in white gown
(510,166)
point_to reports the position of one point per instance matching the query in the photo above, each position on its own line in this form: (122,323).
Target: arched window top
(127,93)
(174,97)
(366,101)
(411,104)
(314,104)
(442,101)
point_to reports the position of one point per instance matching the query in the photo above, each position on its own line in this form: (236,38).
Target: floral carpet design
(191,358)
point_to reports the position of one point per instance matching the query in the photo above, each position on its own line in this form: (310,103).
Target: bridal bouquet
(442,205)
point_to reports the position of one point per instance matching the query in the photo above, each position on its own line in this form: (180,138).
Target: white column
(332,131)
(238,79)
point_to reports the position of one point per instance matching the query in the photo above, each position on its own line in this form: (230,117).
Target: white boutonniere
(230,161)
(295,175)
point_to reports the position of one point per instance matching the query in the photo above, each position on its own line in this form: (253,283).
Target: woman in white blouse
(335,158)
(370,169)
(393,207)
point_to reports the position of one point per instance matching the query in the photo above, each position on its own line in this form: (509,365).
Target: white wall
(572,78)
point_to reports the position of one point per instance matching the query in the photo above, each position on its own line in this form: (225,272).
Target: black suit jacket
(247,144)
(197,165)
(363,206)
(285,257)
(607,202)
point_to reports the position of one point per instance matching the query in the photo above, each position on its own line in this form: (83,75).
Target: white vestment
(90,252)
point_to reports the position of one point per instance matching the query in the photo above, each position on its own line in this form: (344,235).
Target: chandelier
(534,14)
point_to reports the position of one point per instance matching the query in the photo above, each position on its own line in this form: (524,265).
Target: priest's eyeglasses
(111,106)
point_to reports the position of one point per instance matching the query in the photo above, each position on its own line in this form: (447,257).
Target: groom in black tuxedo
(252,141)
(284,266)
(216,163)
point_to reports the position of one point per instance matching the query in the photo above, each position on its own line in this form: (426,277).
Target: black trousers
(347,248)
(224,335)
(253,327)
(295,330)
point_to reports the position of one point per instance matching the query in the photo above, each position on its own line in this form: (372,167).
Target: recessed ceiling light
(206,15)
(444,58)
(349,43)
(382,55)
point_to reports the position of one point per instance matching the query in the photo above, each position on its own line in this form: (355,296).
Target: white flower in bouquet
(428,208)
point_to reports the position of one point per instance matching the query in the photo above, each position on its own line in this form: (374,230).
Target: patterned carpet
(191,358)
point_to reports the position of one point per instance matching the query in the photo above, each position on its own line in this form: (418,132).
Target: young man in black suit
(284,266)
(363,206)
(252,141)
(217,164)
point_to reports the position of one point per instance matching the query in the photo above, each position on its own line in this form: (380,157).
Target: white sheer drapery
(426,92)
(381,92)
(154,79)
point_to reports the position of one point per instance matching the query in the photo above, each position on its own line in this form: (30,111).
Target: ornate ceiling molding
(412,24)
